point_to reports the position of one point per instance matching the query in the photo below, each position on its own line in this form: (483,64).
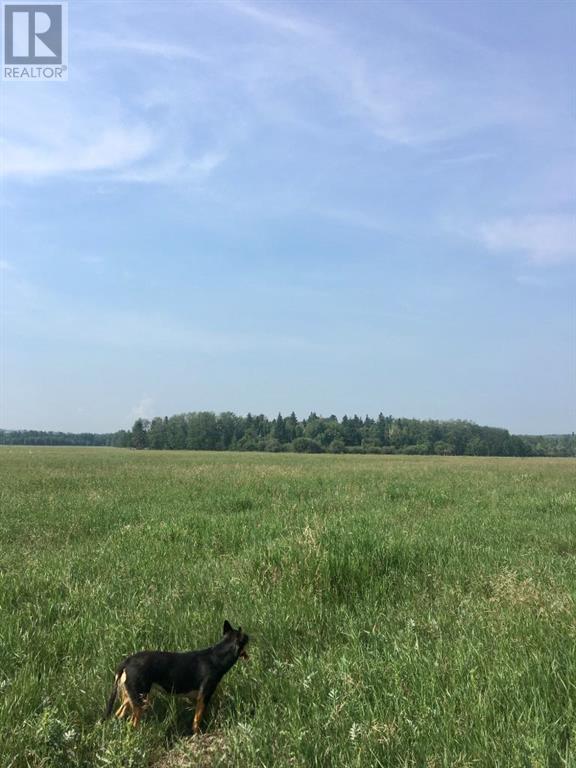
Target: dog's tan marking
(136,715)
(126,704)
(121,711)
(198,713)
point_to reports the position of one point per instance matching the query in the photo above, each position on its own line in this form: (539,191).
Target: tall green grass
(404,611)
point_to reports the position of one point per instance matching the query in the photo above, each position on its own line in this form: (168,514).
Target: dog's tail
(112,697)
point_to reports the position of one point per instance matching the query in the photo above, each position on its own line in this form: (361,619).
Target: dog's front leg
(200,707)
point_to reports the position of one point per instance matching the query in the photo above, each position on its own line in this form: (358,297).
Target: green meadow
(405,611)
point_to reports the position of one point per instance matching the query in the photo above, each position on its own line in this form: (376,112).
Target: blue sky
(345,207)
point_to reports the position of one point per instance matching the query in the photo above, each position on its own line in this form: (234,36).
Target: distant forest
(207,431)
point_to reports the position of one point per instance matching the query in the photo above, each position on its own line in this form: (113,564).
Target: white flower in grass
(307,680)
(355,731)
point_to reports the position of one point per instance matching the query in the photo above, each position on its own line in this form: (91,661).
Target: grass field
(404,611)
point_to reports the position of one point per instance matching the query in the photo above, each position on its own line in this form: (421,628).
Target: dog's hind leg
(136,715)
(136,694)
(125,703)
(122,709)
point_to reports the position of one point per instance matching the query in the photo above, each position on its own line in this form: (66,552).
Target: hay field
(405,611)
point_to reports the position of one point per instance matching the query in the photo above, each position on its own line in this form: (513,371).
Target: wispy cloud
(393,92)
(144,408)
(145,47)
(115,147)
(282,22)
(107,141)
(174,169)
(544,239)
(469,158)
(180,119)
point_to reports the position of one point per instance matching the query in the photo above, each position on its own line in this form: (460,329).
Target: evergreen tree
(279,431)
(139,436)
(293,429)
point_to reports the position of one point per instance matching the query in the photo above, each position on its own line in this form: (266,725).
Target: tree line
(39,437)
(209,431)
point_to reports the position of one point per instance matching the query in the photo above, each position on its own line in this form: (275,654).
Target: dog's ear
(227,627)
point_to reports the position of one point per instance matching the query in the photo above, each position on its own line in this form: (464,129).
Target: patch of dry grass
(204,751)
(509,589)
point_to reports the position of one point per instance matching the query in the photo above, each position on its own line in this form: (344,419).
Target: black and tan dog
(194,674)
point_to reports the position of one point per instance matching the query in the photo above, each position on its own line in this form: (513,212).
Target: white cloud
(107,141)
(69,131)
(178,121)
(89,129)
(281,22)
(394,92)
(544,239)
(174,169)
(155,48)
(143,409)
(469,158)
(114,147)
